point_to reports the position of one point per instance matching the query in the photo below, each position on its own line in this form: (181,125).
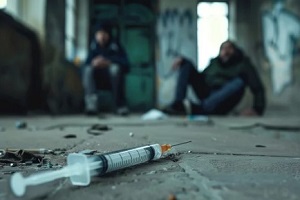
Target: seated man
(220,87)
(105,69)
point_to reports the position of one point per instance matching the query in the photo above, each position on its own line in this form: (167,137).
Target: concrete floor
(228,158)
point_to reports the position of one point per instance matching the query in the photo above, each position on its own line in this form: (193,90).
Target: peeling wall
(256,37)
(177,35)
(246,28)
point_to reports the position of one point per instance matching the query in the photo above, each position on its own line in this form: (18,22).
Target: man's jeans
(111,78)
(213,101)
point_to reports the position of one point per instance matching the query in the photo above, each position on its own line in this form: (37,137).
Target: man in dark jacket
(220,87)
(105,69)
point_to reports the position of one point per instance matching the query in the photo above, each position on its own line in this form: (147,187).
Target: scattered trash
(152,172)
(131,134)
(94,133)
(189,151)
(49,165)
(214,139)
(58,151)
(21,124)
(267,127)
(113,187)
(154,114)
(165,169)
(97,129)
(9,172)
(19,156)
(88,152)
(2,153)
(13,164)
(80,167)
(70,136)
(260,146)
(173,157)
(34,151)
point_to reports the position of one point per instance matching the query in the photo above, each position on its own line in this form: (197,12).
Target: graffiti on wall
(176,29)
(281,30)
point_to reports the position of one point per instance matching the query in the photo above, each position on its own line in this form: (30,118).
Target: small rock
(20,124)
(152,172)
(49,165)
(70,136)
(10,172)
(131,134)
(39,165)
(189,151)
(165,169)
(13,164)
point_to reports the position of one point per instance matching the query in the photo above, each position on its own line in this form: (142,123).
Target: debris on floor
(154,114)
(267,127)
(17,157)
(80,167)
(70,136)
(21,125)
(98,129)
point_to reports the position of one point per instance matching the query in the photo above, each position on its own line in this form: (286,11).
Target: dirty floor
(229,158)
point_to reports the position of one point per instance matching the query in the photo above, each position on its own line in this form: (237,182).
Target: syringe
(80,167)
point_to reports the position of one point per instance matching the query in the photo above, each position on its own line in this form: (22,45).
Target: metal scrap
(20,156)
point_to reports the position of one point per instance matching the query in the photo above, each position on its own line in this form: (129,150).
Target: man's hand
(100,62)
(249,112)
(177,62)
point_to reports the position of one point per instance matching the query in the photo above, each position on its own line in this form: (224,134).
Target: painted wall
(177,35)
(270,36)
(274,48)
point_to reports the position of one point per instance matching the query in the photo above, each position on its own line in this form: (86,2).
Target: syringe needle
(180,143)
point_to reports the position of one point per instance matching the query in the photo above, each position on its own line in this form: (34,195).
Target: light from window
(3,4)
(70,29)
(212,30)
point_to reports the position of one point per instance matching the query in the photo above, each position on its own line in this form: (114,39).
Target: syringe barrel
(122,159)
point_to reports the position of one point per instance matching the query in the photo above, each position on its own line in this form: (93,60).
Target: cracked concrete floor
(230,158)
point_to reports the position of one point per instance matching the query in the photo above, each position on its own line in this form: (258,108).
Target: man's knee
(88,72)
(237,84)
(115,70)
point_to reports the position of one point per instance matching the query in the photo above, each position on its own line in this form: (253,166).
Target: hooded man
(220,87)
(105,69)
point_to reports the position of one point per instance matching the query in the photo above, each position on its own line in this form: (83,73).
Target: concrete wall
(30,12)
(177,35)
(273,49)
(247,29)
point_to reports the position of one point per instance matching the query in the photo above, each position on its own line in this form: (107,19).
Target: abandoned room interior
(149,99)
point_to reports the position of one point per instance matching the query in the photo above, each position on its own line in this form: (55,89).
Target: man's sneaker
(176,108)
(179,108)
(91,104)
(123,111)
